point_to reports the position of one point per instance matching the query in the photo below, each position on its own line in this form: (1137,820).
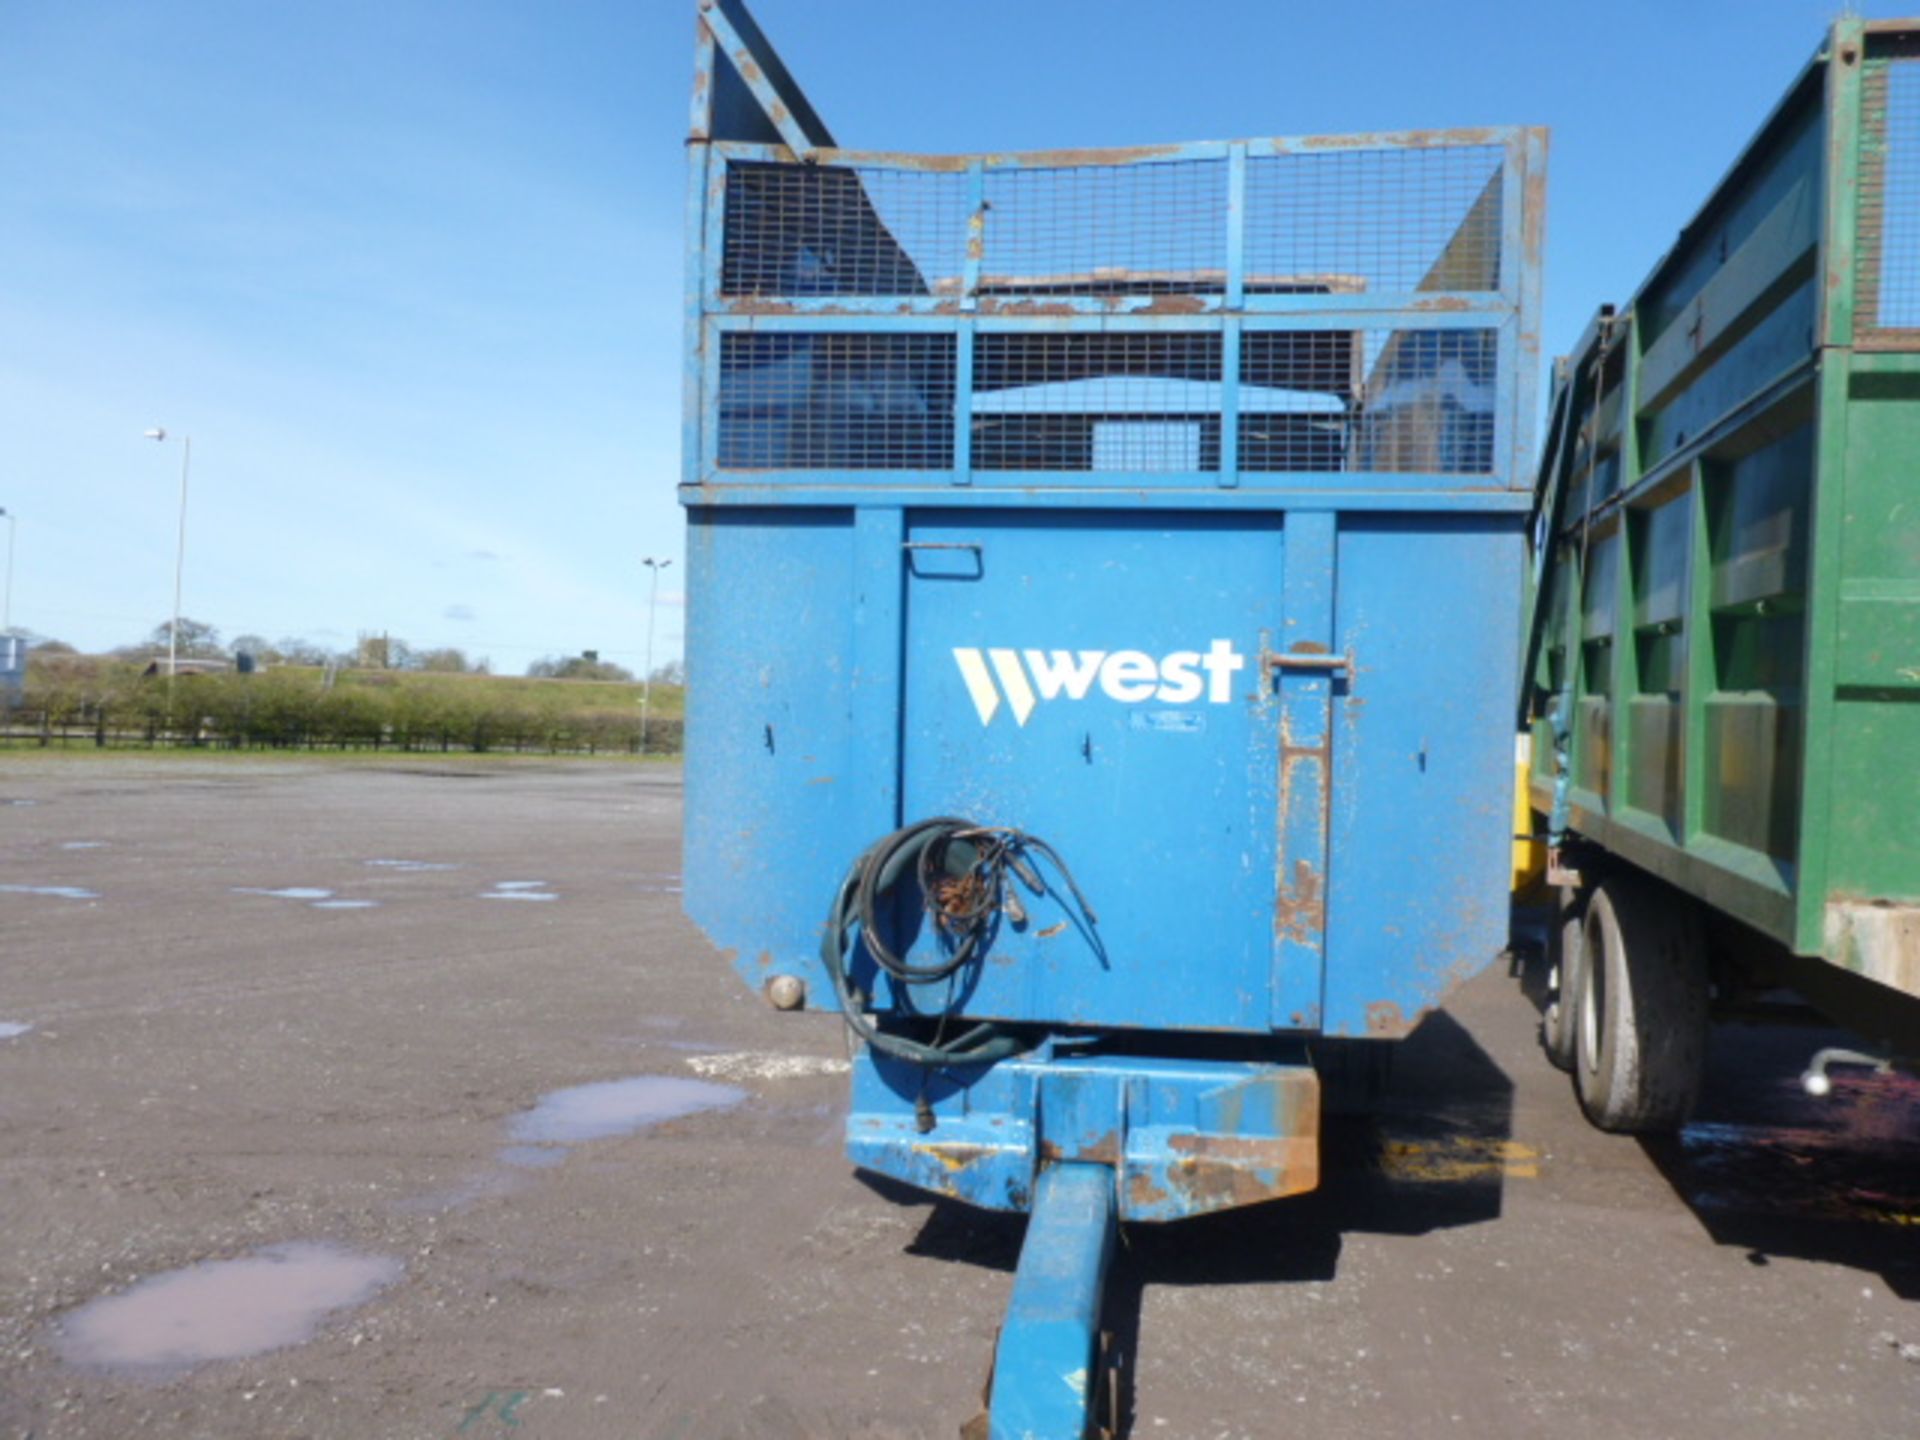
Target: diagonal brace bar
(748,64)
(1045,1368)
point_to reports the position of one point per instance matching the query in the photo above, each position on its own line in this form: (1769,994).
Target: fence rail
(41,729)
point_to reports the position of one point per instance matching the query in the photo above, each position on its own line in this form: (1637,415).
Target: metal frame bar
(1116,490)
(1838,271)
(879,320)
(1256,148)
(1417,308)
(747,63)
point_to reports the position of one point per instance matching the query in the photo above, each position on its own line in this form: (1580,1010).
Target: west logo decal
(1026,678)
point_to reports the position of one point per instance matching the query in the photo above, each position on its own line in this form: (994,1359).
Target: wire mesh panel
(1145,229)
(802,401)
(1389,401)
(1380,220)
(1887,287)
(1089,401)
(1430,404)
(1299,393)
(952,249)
(842,230)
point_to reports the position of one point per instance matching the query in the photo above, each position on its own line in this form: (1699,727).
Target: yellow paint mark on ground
(1459,1157)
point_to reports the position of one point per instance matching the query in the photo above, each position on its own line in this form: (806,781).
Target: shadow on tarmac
(1771,1170)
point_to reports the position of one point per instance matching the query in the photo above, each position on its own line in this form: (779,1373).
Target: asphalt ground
(215,1072)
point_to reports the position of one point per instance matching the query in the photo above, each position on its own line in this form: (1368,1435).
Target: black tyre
(1640,1023)
(1566,944)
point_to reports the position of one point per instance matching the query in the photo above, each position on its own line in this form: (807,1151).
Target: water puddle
(12,1029)
(58,892)
(540,1138)
(83,845)
(409,867)
(659,885)
(315,897)
(519,890)
(615,1107)
(531,1157)
(223,1309)
(21,804)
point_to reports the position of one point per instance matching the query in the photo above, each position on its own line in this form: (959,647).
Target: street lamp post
(6,603)
(646,682)
(159,433)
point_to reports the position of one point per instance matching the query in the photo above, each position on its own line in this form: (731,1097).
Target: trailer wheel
(1640,1023)
(1566,944)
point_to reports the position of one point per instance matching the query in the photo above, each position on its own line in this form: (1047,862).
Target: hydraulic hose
(966,876)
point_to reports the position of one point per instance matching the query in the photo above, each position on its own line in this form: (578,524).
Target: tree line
(106,701)
(201,641)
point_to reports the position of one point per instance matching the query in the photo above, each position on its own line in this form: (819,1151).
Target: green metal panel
(1726,590)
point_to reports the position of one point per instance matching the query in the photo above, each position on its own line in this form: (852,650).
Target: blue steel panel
(774,803)
(1417,898)
(1114,710)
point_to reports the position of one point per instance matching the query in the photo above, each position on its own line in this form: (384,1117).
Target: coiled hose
(965,875)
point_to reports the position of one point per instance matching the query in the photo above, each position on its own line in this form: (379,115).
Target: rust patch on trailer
(1144,1193)
(1103,1149)
(1025,307)
(1442,304)
(1300,910)
(894,160)
(1384,1018)
(1533,200)
(1067,159)
(1400,139)
(1217,1172)
(1171,305)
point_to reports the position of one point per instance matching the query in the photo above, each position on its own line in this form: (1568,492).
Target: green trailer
(1723,635)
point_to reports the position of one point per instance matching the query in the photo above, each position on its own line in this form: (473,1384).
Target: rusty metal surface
(1178,1138)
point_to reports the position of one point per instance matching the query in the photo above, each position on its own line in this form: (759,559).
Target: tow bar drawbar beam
(1046,1367)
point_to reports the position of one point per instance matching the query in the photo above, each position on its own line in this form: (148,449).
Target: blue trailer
(1102,601)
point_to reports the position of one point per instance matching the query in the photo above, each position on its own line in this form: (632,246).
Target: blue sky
(408,271)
